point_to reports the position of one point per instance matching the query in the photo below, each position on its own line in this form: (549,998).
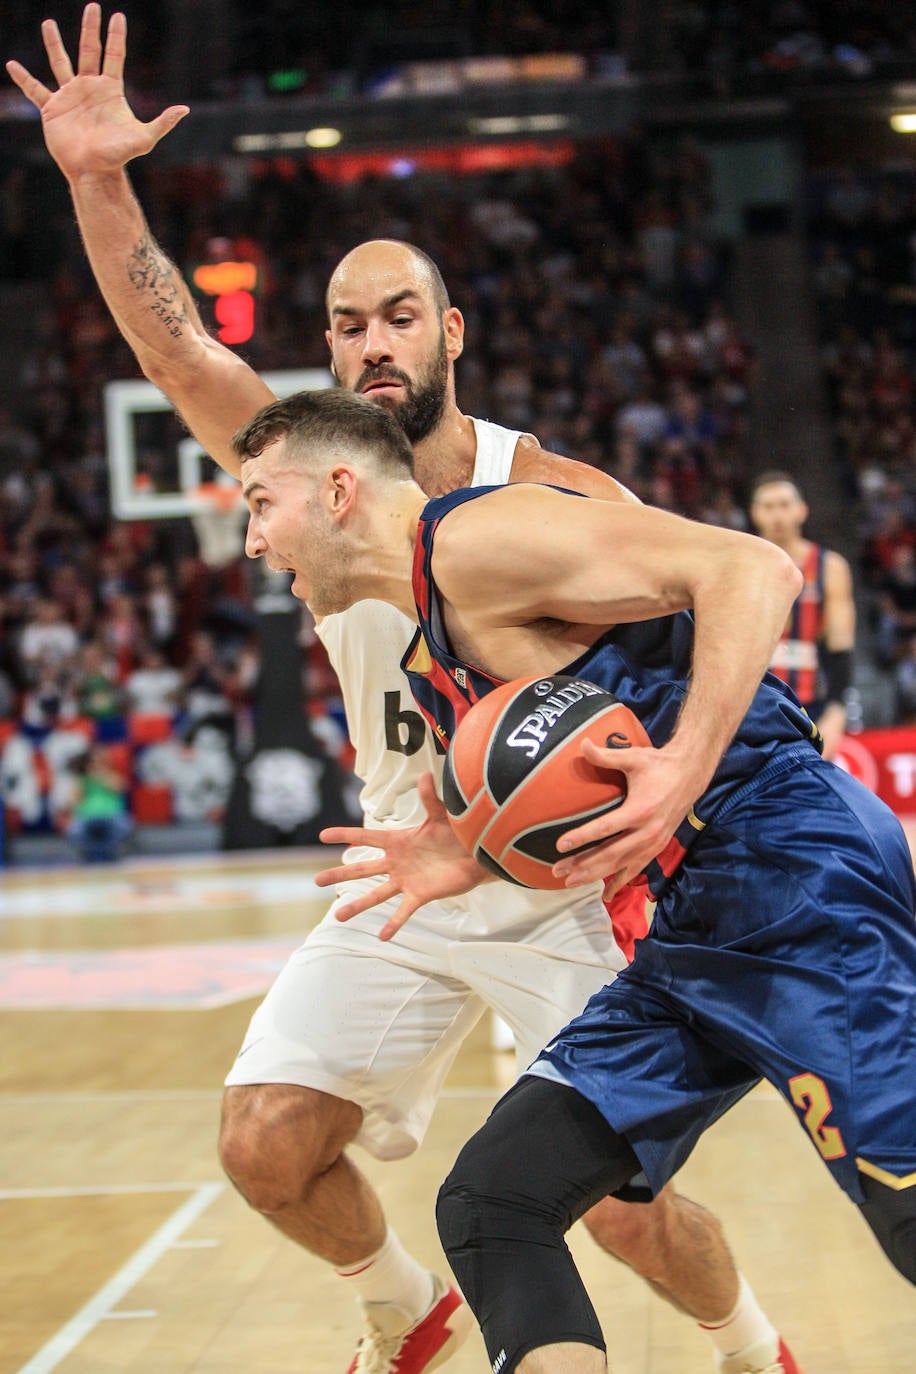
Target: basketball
(515,777)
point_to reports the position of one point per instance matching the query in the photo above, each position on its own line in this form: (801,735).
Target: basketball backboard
(155,469)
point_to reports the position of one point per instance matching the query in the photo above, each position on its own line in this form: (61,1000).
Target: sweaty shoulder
(535,464)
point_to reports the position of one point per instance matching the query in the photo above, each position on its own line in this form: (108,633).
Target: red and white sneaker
(786,1362)
(388,1348)
(745,1363)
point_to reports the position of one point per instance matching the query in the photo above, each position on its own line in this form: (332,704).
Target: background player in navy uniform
(354,1040)
(783,942)
(815,650)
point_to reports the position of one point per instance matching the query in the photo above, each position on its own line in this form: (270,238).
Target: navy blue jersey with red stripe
(645,665)
(796,658)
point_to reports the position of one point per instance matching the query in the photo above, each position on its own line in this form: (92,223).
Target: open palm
(420,864)
(89,127)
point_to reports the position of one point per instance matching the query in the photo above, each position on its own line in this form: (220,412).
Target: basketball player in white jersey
(353,1042)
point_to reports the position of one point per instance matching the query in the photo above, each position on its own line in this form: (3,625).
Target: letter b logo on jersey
(396,721)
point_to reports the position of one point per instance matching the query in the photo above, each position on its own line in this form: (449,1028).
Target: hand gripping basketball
(516,778)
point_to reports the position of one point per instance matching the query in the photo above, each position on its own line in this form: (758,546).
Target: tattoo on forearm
(150,271)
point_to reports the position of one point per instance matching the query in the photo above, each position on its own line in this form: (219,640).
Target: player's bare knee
(636,1233)
(649,1236)
(277,1138)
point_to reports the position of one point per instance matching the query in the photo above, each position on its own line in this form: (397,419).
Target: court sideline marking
(99,1307)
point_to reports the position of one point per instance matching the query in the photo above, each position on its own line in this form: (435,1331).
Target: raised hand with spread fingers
(88,125)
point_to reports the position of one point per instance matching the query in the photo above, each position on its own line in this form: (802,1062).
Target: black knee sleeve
(891,1214)
(541,1160)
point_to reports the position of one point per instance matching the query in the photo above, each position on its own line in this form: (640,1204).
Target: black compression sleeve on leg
(544,1157)
(891,1214)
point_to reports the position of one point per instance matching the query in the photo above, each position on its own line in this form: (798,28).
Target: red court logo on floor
(167,977)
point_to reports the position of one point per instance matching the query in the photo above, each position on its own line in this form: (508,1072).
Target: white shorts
(380,1023)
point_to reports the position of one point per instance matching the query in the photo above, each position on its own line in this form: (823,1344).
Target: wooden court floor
(123,996)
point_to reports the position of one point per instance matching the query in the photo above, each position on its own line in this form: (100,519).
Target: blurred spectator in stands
(99,696)
(155,686)
(644,418)
(67,586)
(19,448)
(699,276)
(658,237)
(206,680)
(20,578)
(120,632)
(625,358)
(691,427)
(50,701)
(896,606)
(99,822)
(47,642)
(891,525)
(732,356)
(722,509)
(159,610)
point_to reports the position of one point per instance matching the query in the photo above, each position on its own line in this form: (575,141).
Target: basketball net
(219,522)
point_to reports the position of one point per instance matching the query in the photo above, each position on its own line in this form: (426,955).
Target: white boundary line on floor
(64,1099)
(323,856)
(98,1308)
(100,1190)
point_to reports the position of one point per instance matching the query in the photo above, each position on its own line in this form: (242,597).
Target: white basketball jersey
(365,645)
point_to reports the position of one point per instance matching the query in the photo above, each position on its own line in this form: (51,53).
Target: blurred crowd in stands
(862,235)
(596,297)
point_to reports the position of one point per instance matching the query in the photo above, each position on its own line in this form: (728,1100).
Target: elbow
(179,380)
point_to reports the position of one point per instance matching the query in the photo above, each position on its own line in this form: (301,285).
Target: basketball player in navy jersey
(783,944)
(815,649)
(354,1040)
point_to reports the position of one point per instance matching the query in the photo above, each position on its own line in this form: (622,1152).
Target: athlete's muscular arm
(92,134)
(600,564)
(534,464)
(838,643)
(427,862)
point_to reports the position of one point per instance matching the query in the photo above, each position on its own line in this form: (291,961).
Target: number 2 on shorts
(810,1095)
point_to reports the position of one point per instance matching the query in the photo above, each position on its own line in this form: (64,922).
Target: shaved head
(388,257)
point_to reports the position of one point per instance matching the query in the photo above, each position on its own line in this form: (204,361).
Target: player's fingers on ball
(592,866)
(600,828)
(619,759)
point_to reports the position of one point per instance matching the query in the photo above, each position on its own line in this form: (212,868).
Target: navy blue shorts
(784,948)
